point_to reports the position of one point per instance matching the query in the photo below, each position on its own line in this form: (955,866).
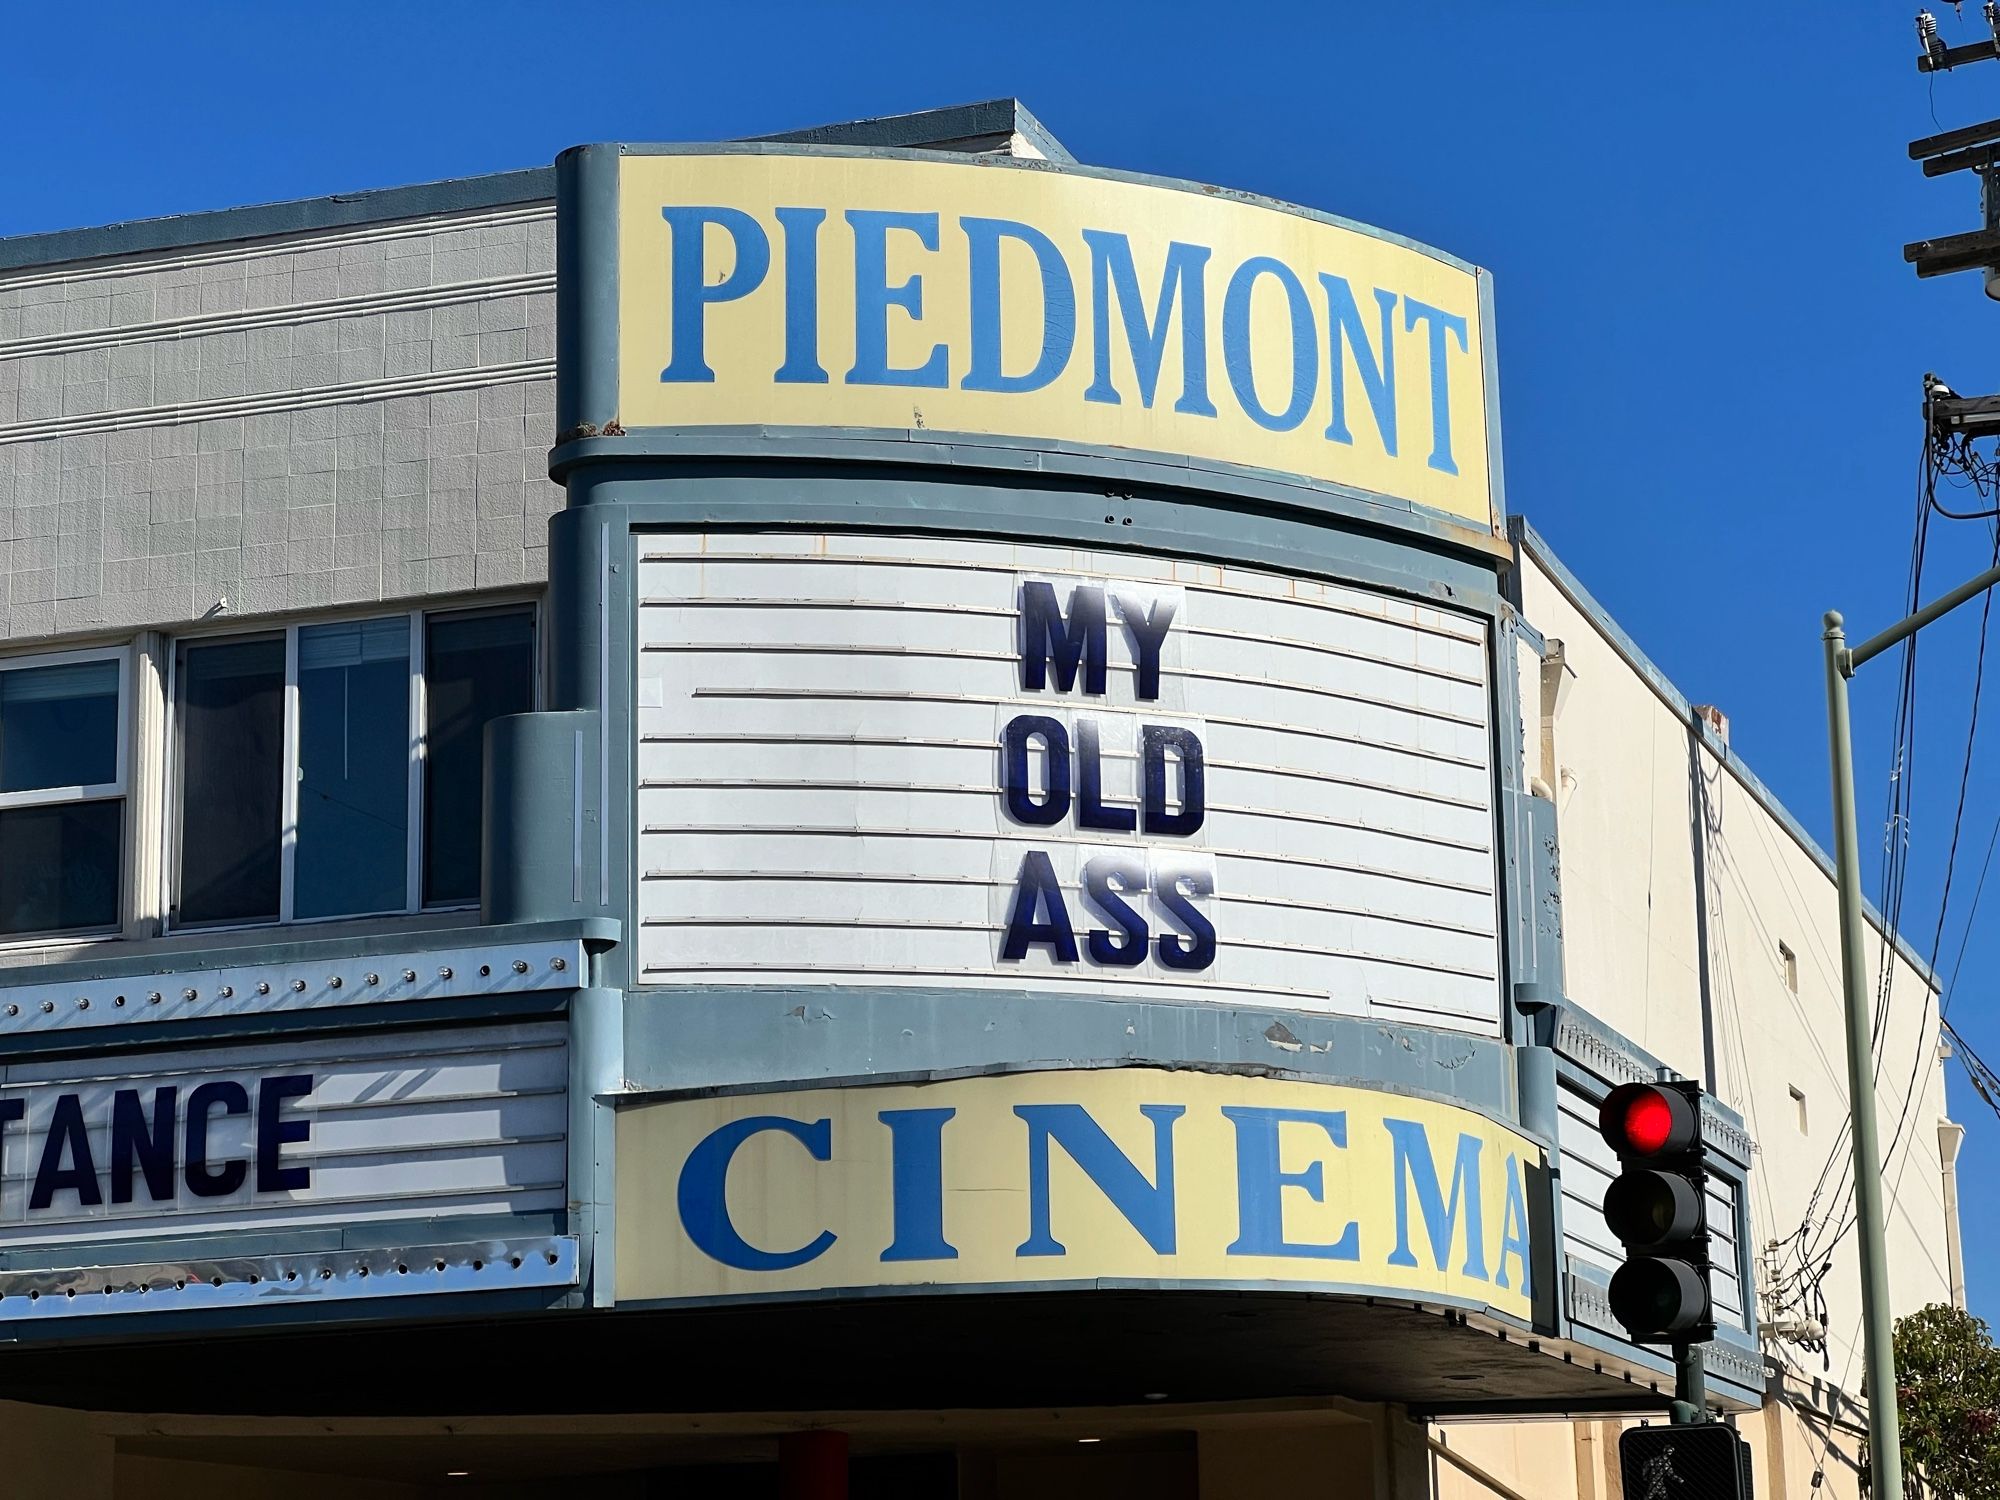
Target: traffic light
(1704,1462)
(1656,1208)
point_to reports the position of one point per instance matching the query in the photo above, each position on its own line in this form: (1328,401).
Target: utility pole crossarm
(1875,645)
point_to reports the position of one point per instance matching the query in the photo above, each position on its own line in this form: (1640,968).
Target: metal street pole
(1885,1443)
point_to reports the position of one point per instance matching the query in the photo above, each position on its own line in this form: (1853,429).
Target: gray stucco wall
(336,417)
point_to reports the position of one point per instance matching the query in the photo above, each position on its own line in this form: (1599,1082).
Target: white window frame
(54,796)
(288,832)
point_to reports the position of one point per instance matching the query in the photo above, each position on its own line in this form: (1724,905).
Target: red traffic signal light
(1657,1208)
(1646,1119)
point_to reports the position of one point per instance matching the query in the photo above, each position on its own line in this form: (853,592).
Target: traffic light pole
(1885,1448)
(1690,1404)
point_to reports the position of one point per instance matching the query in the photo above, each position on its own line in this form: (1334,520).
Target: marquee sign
(410,1126)
(1050,308)
(923,761)
(1071,1177)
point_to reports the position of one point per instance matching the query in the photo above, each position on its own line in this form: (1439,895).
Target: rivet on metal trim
(153,997)
(227,992)
(559,964)
(83,1002)
(520,966)
(298,986)
(333,982)
(189,993)
(47,1006)
(263,988)
(444,973)
(409,976)
(13,1010)
(372,978)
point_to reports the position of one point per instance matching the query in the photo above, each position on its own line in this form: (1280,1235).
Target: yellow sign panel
(1048,307)
(1130,1174)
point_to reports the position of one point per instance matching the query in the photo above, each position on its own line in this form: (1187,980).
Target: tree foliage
(1948,1396)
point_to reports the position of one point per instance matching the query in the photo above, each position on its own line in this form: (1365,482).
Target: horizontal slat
(820,773)
(399,1125)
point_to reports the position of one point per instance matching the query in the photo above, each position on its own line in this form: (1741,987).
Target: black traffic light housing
(1657,1208)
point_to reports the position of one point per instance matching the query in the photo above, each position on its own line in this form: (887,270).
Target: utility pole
(1974,148)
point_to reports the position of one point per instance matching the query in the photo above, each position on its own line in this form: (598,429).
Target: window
(1789,962)
(62,792)
(1799,1104)
(335,770)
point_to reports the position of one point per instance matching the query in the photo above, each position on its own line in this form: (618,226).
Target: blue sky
(1710,346)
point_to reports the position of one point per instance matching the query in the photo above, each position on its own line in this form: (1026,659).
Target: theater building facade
(865,813)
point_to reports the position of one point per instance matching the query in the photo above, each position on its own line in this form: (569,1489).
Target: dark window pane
(354,769)
(232,747)
(476,668)
(59,726)
(59,866)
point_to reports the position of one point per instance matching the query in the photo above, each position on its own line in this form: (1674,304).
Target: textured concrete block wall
(339,417)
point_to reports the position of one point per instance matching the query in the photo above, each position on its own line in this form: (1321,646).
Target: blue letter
(66,1129)
(916,1157)
(1090,809)
(689,280)
(1045,636)
(1413,1148)
(1378,378)
(1236,344)
(873,297)
(1415,312)
(1514,1231)
(801,366)
(1108,898)
(1260,1185)
(1054,806)
(1147,1206)
(1036,887)
(152,1148)
(1149,629)
(704,1193)
(1198,951)
(1185,277)
(1155,740)
(274,1133)
(1058,308)
(203,1181)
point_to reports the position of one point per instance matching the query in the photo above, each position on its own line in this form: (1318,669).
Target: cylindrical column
(812,1466)
(1878,1334)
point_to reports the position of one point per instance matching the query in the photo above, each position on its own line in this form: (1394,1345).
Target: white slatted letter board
(824,788)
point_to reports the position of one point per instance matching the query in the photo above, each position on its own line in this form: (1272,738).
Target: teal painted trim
(264,220)
(366,1234)
(159,1036)
(793,494)
(1513,885)
(1206,191)
(699,1043)
(483,1306)
(586,288)
(1166,1286)
(1027,456)
(1489,350)
(285,945)
(929,126)
(1721,1389)
(1611,1038)
(1525,537)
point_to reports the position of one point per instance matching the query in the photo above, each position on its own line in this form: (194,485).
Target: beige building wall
(1679,873)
